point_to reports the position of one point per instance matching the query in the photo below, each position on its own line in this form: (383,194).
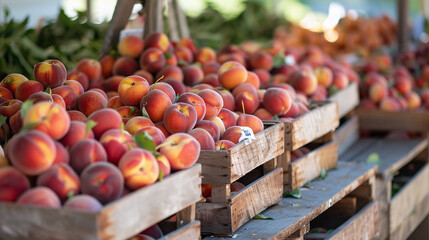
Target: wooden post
(183,24)
(403,30)
(88,10)
(172,26)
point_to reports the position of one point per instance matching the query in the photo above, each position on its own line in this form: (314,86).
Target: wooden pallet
(292,217)
(120,219)
(417,121)
(403,212)
(309,166)
(347,99)
(347,134)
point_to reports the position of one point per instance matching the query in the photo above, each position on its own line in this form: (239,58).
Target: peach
(157,40)
(76,86)
(115,103)
(125,66)
(403,85)
(243,87)
(171,58)
(62,155)
(223,58)
(152,60)
(199,87)
(40,96)
(277,101)
(139,168)
(213,101)
(180,117)
(402,102)
(90,102)
(164,165)
(91,68)
(247,101)
(50,73)
(58,100)
(223,145)
(232,134)
(85,153)
(132,89)
(106,63)
(294,110)
(340,80)
(251,121)
(261,60)
(131,46)
(103,181)
(324,76)
(49,118)
(116,142)
(142,237)
(112,83)
(377,92)
(115,121)
(170,71)
(211,127)
(99,90)
(61,179)
(219,124)
(137,123)
(12,184)
(76,115)
(166,88)
(413,100)
(161,126)
(188,43)
(79,77)
(263,114)
(231,74)
(253,79)
(111,94)
(263,75)
(12,81)
(228,99)
(204,138)
(237,186)
(15,122)
(5,133)
(303,81)
(204,55)
(178,87)
(184,56)
(196,101)
(68,94)
(40,196)
(155,103)
(211,79)
(84,203)
(26,88)
(128,112)
(146,75)
(227,117)
(10,107)
(182,150)
(206,190)
(5,94)
(193,75)
(156,134)
(389,104)
(153,231)
(210,67)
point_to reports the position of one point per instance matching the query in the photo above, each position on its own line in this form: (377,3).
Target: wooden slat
(347,99)
(224,219)
(383,120)
(291,214)
(347,134)
(172,26)
(226,166)
(383,191)
(310,166)
(183,24)
(190,231)
(405,202)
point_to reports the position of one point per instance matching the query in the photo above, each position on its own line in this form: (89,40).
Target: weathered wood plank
(347,134)
(291,214)
(347,99)
(190,231)
(118,220)
(226,166)
(310,166)
(406,201)
(383,120)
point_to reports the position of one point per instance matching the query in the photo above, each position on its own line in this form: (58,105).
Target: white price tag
(133,31)
(290,60)
(246,135)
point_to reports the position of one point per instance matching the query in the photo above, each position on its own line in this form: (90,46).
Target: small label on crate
(246,135)
(133,31)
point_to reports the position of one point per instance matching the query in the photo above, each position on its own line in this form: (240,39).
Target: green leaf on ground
(323,173)
(262,217)
(294,194)
(373,158)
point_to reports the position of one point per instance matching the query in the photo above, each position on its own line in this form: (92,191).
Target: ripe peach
(59,100)
(184,56)
(178,87)
(76,115)
(12,184)
(232,134)
(227,117)
(40,196)
(5,94)
(90,102)
(204,138)
(219,124)
(188,43)
(171,58)
(223,145)
(112,83)
(91,68)
(12,81)
(142,237)
(139,168)
(102,126)
(137,123)
(204,55)
(84,203)
(77,87)
(263,114)
(116,142)
(50,73)
(146,75)
(180,117)
(182,150)
(15,122)
(193,75)
(228,99)
(237,186)
(49,118)
(128,112)
(115,103)
(377,92)
(251,121)
(156,134)
(413,100)
(213,101)
(157,40)
(211,127)
(403,85)
(40,96)
(99,90)
(155,104)
(125,66)
(303,81)
(106,63)
(61,179)
(161,126)
(206,189)
(277,101)
(261,60)
(103,181)
(62,155)
(253,79)
(211,79)
(294,110)
(152,60)
(85,153)
(170,71)
(131,46)
(264,76)
(389,104)
(10,107)
(340,80)
(324,76)
(210,67)
(26,88)
(166,88)
(164,164)
(132,89)
(79,77)
(231,74)
(68,94)
(200,86)
(196,101)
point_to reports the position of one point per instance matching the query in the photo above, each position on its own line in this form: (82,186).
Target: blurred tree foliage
(257,22)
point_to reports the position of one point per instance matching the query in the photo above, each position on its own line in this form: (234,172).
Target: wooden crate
(347,134)
(309,166)
(120,219)
(292,217)
(347,99)
(417,121)
(403,212)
